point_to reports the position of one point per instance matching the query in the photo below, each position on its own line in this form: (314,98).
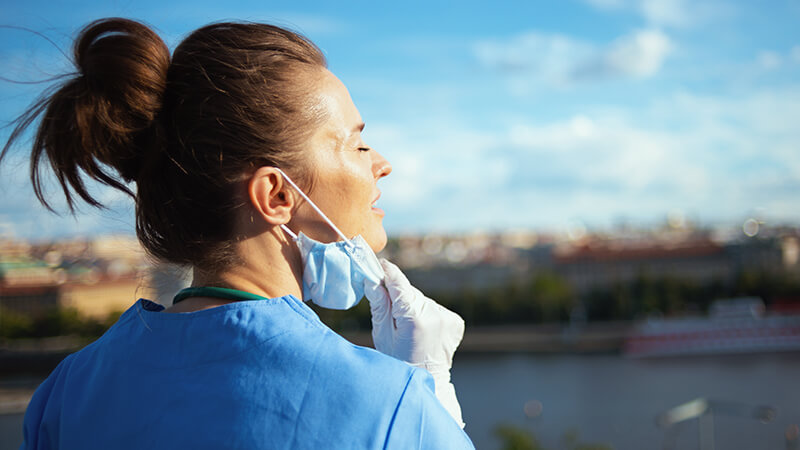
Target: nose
(380,166)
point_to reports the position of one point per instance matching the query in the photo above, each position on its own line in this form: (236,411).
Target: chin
(377,241)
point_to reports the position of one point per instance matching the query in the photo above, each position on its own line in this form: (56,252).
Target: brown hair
(234,97)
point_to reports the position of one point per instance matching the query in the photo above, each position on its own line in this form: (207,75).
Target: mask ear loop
(319,211)
(289,232)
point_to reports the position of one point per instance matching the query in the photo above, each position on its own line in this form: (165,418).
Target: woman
(248,166)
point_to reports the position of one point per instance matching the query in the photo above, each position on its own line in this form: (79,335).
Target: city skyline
(515,115)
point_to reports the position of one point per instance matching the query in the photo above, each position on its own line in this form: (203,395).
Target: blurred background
(606,191)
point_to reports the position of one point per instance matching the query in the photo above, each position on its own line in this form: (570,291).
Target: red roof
(603,252)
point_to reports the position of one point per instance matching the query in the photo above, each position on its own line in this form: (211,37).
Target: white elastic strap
(289,232)
(319,211)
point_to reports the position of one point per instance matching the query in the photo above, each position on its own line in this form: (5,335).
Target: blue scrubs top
(262,374)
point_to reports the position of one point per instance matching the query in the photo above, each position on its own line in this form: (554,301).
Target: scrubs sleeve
(421,422)
(34,430)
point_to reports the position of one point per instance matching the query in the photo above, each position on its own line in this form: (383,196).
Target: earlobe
(268,197)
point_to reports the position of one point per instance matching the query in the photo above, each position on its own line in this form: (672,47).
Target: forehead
(334,100)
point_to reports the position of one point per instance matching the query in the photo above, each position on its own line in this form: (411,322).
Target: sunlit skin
(345,172)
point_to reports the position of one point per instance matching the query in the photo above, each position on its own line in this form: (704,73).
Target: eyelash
(364,149)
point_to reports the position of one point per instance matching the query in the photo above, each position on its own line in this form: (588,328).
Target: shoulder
(351,373)
(421,422)
(46,401)
(377,400)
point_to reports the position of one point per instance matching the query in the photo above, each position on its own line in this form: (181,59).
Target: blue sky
(511,115)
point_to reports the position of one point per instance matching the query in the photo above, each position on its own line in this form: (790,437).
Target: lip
(375,209)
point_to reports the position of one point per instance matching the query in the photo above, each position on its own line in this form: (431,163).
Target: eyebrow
(356,129)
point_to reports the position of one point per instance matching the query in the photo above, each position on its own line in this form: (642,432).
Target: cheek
(348,205)
(349,188)
(357,189)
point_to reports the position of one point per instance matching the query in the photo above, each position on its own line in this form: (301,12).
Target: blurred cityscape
(591,260)
(626,273)
(96,276)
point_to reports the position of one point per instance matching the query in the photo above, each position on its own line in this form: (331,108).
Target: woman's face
(345,172)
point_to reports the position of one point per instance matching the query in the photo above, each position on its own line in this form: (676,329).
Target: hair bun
(123,68)
(125,61)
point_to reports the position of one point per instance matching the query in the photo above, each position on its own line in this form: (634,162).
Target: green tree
(553,296)
(513,437)
(14,325)
(516,438)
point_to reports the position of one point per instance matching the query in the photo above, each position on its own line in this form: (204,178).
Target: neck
(269,265)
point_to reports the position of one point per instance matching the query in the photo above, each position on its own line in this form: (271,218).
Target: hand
(411,327)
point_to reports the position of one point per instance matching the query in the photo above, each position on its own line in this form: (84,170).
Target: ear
(270,196)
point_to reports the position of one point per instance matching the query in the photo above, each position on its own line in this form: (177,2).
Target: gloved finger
(454,322)
(380,304)
(395,279)
(407,301)
(381,314)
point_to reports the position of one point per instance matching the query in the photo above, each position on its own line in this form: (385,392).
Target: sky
(500,115)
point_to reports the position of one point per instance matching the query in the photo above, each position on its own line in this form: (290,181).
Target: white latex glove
(413,328)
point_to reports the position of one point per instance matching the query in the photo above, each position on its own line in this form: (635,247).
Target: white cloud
(668,13)
(769,60)
(552,57)
(716,158)
(794,53)
(606,4)
(640,54)
(561,61)
(612,153)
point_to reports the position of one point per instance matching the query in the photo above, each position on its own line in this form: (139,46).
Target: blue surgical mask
(334,274)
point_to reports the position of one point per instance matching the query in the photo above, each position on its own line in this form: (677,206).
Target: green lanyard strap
(215,292)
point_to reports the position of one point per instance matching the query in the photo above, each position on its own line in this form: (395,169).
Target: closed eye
(364,149)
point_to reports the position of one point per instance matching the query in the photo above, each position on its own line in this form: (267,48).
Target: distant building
(95,277)
(601,264)
(28,300)
(588,261)
(33,288)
